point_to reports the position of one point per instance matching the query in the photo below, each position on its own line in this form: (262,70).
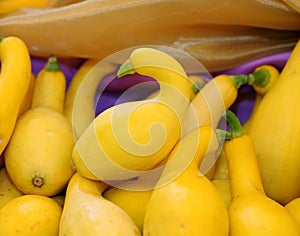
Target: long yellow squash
(275,132)
(14,81)
(251,211)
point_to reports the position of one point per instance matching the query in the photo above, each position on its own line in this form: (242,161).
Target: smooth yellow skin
(134,203)
(69,112)
(168,72)
(261,91)
(127,131)
(26,103)
(41,147)
(274,131)
(189,204)
(8,190)
(74,86)
(30,215)
(86,212)
(210,173)
(71,92)
(251,212)
(80,166)
(293,207)
(50,90)
(80,97)
(220,178)
(223,187)
(44,138)
(195,80)
(221,166)
(255,214)
(15,78)
(60,199)
(208,105)
(243,170)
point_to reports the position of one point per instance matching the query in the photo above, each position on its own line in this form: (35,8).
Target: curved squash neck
(243,167)
(188,154)
(167,80)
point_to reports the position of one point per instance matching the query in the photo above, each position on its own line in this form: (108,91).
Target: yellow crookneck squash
(189,204)
(251,211)
(15,79)
(138,135)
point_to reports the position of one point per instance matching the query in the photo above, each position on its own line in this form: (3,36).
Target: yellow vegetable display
(189,204)
(221,92)
(271,73)
(220,178)
(74,86)
(221,167)
(50,87)
(26,103)
(87,212)
(207,106)
(223,187)
(264,71)
(134,202)
(30,215)
(274,131)
(137,136)
(164,164)
(8,190)
(38,157)
(217,95)
(251,211)
(15,78)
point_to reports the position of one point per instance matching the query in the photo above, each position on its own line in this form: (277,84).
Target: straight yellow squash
(275,131)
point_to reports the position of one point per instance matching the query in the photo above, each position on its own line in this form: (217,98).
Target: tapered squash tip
(52,64)
(125,69)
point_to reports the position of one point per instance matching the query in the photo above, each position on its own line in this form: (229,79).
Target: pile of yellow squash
(178,162)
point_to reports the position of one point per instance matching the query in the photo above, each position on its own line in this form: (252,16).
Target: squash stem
(1,38)
(223,135)
(197,86)
(238,80)
(260,77)
(52,64)
(236,129)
